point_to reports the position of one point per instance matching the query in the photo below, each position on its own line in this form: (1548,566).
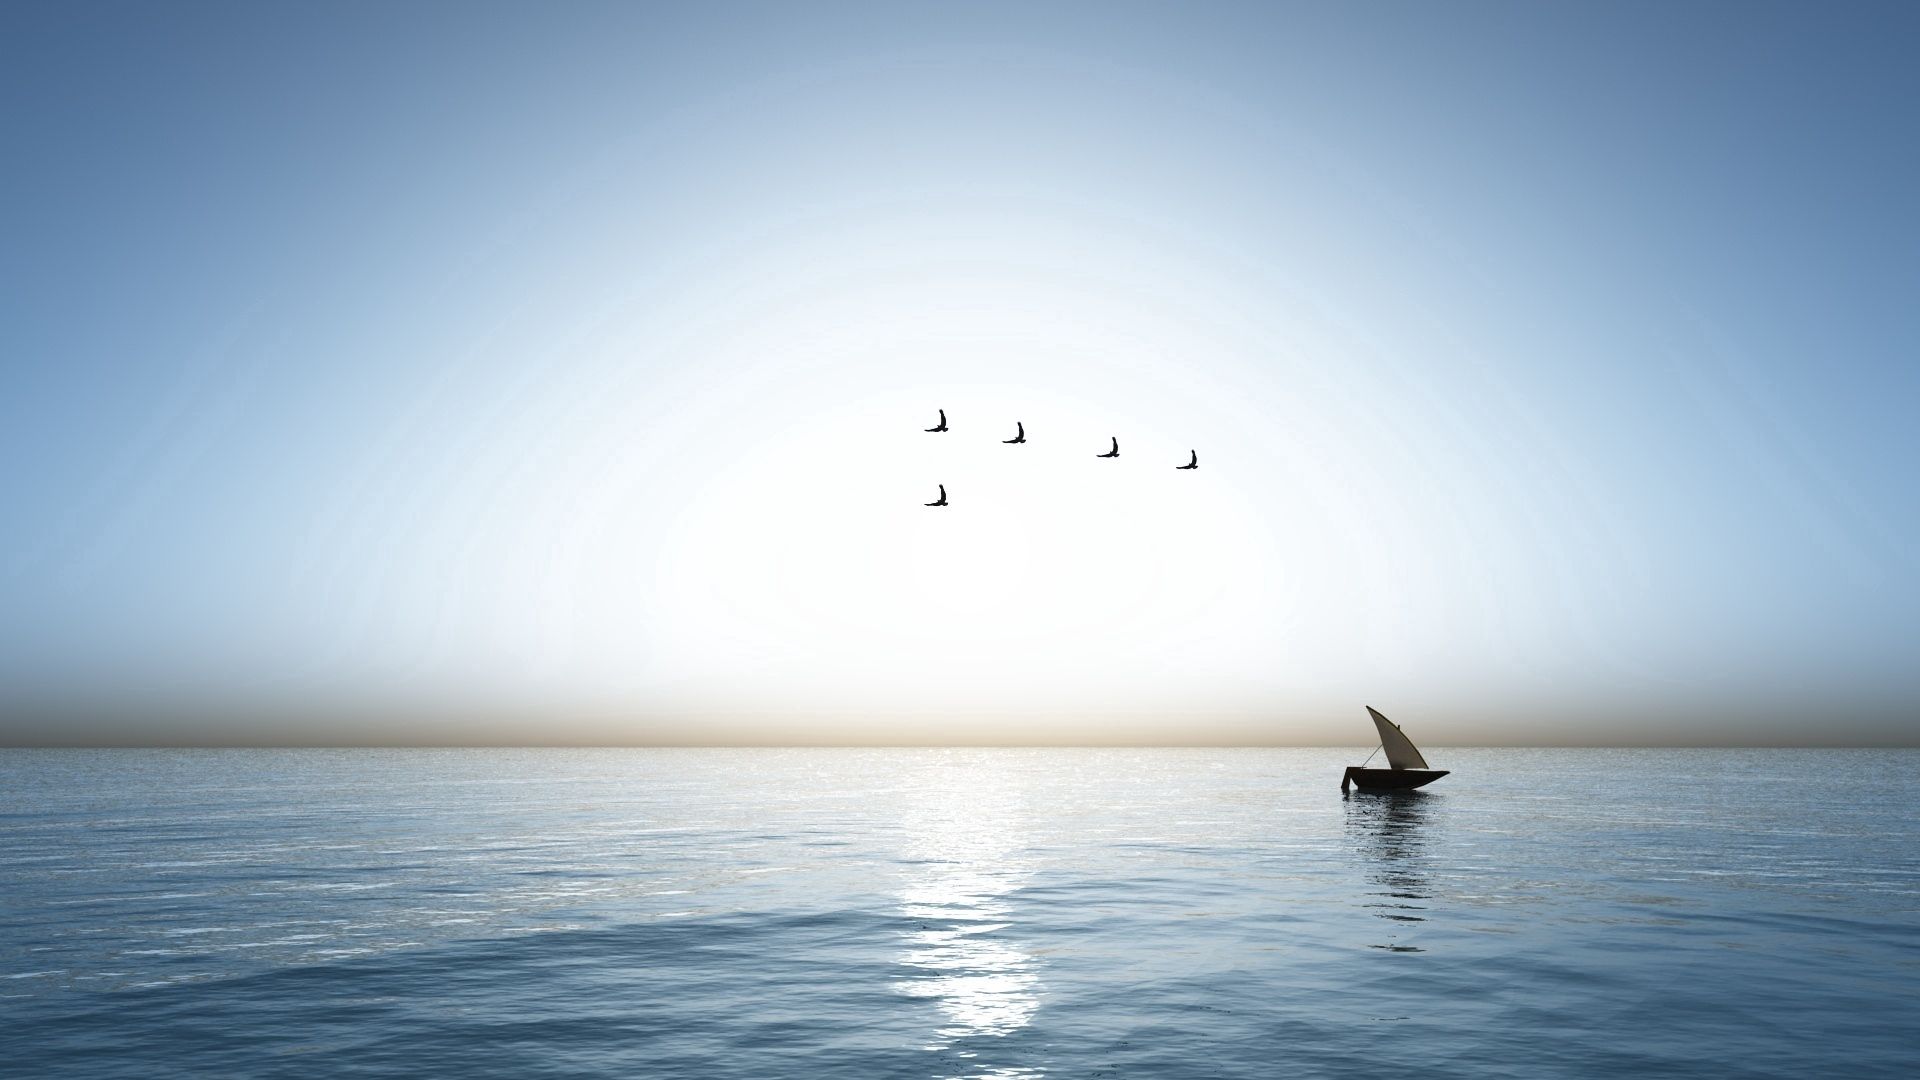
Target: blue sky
(1551,368)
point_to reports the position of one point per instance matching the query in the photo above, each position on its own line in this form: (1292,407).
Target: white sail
(1401,753)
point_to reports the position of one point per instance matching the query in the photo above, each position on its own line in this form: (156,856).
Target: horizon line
(314,745)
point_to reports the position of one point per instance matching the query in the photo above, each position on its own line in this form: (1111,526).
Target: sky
(557,373)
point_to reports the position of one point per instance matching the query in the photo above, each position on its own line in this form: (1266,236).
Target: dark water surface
(956,913)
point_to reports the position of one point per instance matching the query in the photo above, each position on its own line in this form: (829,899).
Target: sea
(956,913)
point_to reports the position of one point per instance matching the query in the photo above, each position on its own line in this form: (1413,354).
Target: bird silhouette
(1115,452)
(943,497)
(943,422)
(1193,462)
(1021,436)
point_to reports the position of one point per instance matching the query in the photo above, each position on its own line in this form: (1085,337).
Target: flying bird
(1193,461)
(943,422)
(1115,452)
(943,497)
(1021,436)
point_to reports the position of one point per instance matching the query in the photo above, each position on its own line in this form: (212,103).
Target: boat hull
(1389,779)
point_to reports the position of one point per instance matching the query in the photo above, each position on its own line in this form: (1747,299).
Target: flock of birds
(1020,436)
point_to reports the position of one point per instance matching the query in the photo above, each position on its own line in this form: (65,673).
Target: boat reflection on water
(1391,833)
(965,858)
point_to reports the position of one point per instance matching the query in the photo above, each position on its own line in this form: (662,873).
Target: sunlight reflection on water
(964,844)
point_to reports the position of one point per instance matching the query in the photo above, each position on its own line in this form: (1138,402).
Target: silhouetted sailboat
(943,422)
(1021,434)
(1406,768)
(1193,460)
(943,497)
(1115,452)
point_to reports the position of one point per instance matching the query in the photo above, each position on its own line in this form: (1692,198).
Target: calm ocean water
(956,913)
